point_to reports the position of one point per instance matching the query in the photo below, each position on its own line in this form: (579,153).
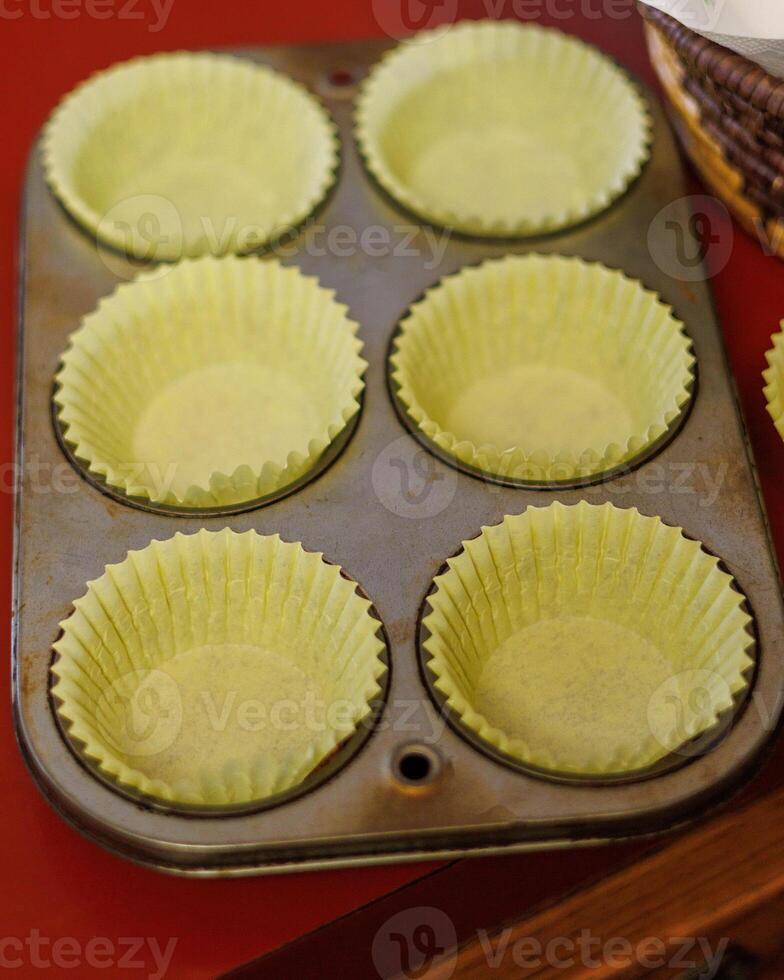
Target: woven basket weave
(729,115)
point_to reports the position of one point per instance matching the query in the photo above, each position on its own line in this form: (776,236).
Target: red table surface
(55,884)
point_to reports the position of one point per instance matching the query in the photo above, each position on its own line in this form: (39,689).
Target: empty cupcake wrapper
(499,129)
(542,369)
(188,154)
(774,380)
(217,669)
(217,383)
(587,640)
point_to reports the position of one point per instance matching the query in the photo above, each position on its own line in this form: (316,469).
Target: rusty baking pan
(390,513)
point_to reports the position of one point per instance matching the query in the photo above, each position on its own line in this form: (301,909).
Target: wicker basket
(729,115)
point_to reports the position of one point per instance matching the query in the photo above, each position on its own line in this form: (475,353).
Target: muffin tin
(390,513)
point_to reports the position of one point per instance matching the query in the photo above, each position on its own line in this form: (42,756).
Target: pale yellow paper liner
(774,381)
(210,383)
(502,129)
(542,368)
(587,639)
(217,669)
(187,154)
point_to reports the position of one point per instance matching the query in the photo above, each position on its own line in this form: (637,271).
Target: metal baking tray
(390,513)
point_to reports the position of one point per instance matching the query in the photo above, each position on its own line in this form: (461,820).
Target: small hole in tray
(341,77)
(416,765)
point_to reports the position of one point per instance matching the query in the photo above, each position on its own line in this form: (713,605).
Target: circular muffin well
(576,620)
(218,385)
(225,711)
(186,154)
(541,371)
(521,171)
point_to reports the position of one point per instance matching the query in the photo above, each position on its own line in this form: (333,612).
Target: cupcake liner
(499,129)
(774,381)
(587,640)
(542,368)
(189,154)
(217,384)
(216,669)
